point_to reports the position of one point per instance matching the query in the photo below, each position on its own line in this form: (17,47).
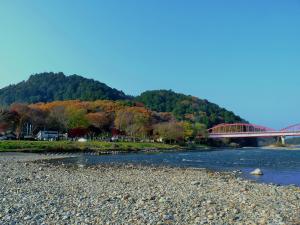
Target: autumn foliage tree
(8,121)
(57,119)
(28,116)
(135,121)
(100,120)
(101,117)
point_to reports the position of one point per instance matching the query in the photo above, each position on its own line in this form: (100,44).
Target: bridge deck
(254,134)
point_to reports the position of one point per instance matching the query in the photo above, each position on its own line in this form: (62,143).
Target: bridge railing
(244,128)
(238,128)
(291,128)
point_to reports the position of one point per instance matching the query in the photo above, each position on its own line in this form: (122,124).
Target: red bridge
(243,130)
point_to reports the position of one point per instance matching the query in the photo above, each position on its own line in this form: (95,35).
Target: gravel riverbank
(42,193)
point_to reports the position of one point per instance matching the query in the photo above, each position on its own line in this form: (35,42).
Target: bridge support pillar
(282,138)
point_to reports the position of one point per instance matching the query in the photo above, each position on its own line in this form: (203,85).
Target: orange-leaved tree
(135,121)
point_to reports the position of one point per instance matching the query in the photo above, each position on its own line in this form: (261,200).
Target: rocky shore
(42,193)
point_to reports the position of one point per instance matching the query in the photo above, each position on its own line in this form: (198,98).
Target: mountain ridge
(48,87)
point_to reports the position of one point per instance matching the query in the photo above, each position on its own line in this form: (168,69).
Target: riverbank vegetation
(99,119)
(154,116)
(71,146)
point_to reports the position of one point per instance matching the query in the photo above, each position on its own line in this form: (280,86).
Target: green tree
(200,130)
(187,108)
(169,131)
(188,130)
(76,118)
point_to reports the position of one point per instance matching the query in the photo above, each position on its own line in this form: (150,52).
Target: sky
(242,55)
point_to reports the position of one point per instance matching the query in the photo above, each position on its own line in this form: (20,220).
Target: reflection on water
(279,166)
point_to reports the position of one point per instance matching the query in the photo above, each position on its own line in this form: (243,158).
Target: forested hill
(186,107)
(47,87)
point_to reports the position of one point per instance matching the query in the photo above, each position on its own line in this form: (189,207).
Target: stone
(195,183)
(257,172)
(168,217)
(210,216)
(27,217)
(162,200)
(126,197)
(118,194)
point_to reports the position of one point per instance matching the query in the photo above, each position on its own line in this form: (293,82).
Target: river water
(280,167)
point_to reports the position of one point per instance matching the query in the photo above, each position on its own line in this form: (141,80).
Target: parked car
(8,137)
(2,138)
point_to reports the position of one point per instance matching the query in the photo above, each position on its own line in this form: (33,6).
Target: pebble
(27,217)
(195,183)
(45,193)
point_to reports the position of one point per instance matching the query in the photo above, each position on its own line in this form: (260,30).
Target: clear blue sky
(242,55)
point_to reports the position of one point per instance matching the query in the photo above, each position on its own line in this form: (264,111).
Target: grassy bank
(43,146)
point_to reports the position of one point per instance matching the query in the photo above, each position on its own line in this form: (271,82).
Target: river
(280,167)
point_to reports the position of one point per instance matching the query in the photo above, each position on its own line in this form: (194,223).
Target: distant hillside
(186,107)
(47,87)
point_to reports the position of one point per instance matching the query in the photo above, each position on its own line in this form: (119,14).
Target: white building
(48,136)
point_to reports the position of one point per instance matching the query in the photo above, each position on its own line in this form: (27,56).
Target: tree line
(99,118)
(186,107)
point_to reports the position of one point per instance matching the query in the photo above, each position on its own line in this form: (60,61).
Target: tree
(57,119)
(160,117)
(135,121)
(23,118)
(169,131)
(76,118)
(101,122)
(188,130)
(200,130)
(78,132)
(8,121)
(37,119)
(187,108)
